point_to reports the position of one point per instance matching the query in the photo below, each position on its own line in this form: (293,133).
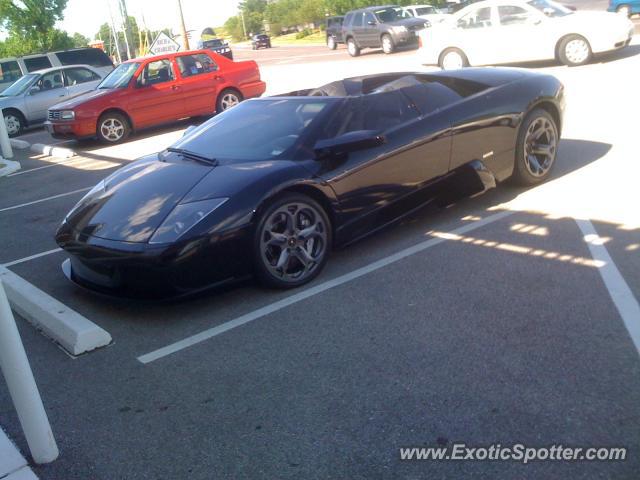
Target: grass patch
(316,38)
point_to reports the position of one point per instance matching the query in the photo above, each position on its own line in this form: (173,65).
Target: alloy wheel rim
(577,51)
(293,242)
(624,10)
(229,100)
(112,129)
(386,44)
(540,147)
(13,124)
(452,61)
(331,42)
(352,47)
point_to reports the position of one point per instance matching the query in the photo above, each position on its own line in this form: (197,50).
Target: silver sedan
(26,101)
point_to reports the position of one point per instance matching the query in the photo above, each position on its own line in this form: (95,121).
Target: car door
(475,35)
(79,80)
(370,183)
(525,31)
(156,96)
(199,79)
(371,32)
(47,91)
(359,32)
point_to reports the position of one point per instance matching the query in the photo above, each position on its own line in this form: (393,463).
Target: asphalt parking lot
(488,322)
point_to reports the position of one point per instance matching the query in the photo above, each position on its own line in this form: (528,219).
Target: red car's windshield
(120,77)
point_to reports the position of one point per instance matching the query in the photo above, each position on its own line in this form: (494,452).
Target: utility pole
(244,27)
(125,20)
(184,30)
(114,32)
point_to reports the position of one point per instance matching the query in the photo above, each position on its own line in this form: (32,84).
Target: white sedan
(510,31)
(428,12)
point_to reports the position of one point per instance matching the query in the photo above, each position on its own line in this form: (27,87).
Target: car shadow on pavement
(630,51)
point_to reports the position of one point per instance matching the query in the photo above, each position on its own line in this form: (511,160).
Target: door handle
(175,87)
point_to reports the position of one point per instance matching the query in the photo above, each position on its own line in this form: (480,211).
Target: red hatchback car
(149,91)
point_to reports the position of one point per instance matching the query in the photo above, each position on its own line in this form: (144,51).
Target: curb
(52,151)
(19,144)
(75,333)
(13,466)
(8,166)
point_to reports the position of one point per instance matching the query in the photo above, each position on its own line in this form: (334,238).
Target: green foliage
(30,25)
(304,33)
(80,40)
(106,36)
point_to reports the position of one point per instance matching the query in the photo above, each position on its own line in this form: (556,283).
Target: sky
(86,16)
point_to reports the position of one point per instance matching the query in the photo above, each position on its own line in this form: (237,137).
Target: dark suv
(334,32)
(388,27)
(216,45)
(260,40)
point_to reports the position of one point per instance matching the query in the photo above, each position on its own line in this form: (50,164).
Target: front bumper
(75,129)
(228,54)
(140,270)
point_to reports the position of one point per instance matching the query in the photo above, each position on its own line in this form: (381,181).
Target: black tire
(331,43)
(267,257)
(574,57)
(442,59)
(14,121)
(113,128)
(352,47)
(224,101)
(531,171)
(387,43)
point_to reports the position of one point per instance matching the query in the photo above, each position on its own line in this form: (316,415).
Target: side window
(358,19)
(156,72)
(37,63)
(9,71)
(190,65)
(368,17)
(84,56)
(479,18)
(348,19)
(50,81)
(76,76)
(513,15)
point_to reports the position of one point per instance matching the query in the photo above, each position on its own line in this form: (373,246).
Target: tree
(33,22)
(79,40)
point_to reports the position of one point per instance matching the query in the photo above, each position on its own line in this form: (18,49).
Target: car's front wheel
(331,43)
(574,50)
(113,128)
(353,48)
(536,149)
(452,59)
(227,99)
(387,44)
(14,121)
(292,241)
(624,10)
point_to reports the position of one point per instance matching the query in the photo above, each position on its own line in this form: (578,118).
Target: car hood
(410,23)
(6,102)
(135,199)
(82,98)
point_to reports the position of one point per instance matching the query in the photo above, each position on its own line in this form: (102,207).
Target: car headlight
(183,218)
(400,29)
(67,115)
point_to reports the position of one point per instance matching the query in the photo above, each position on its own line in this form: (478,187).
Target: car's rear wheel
(353,48)
(331,43)
(574,50)
(387,44)
(14,121)
(536,149)
(227,99)
(624,10)
(113,128)
(292,242)
(453,59)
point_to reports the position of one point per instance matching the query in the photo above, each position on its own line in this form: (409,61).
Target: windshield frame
(130,76)
(29,83)
(301,149)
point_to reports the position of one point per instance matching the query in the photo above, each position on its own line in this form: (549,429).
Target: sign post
(164,44)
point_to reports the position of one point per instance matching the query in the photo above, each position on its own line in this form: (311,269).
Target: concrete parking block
(52,151)
(24,473)
(8,167)
(10,458)
(75,333)
(19,144)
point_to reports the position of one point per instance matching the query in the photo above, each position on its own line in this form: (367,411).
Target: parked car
(11,69)
(428,12)
(216,45)
(260,41)
(334,31)
(153,90)
(625,7)
(388,27)
(509,31)
(271,186)
(26,101)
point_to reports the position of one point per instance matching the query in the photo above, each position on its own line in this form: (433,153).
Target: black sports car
(271,185)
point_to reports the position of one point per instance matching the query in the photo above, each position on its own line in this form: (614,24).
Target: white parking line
(31,257)
(52,197)
(298,297)
(618,288)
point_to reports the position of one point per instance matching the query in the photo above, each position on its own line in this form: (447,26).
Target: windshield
(120,77)
(212,43)
(20,85)
(392,14)
(255,129)
(550,8)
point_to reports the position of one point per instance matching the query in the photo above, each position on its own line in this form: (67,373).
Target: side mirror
(371,22)
(349,142)
(34,90)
